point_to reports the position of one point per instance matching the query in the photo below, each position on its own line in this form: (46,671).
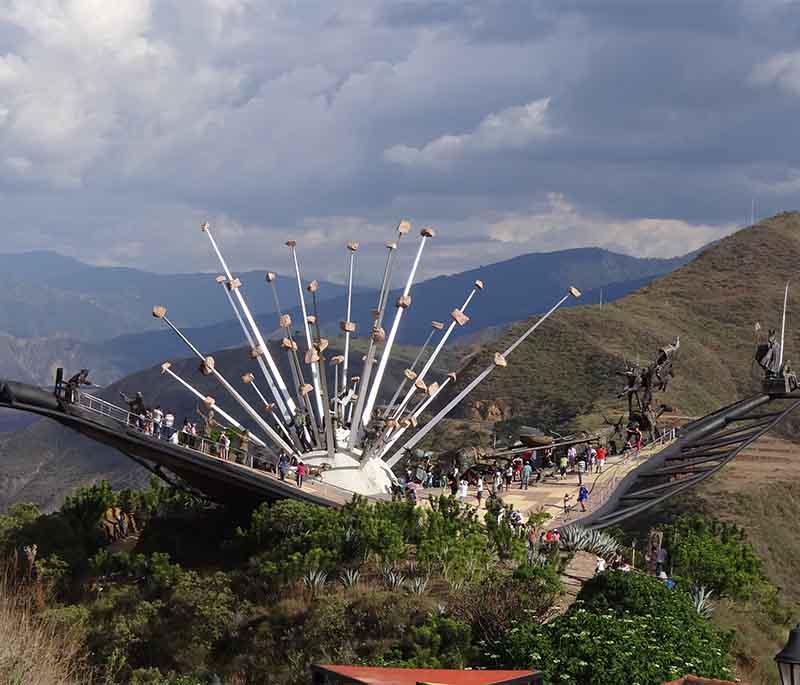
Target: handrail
(205,446)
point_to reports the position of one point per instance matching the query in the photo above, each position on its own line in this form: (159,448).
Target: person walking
(563,463)
(283,466)
(601,459)
(525,476)
(479,491)
(581,470)
(300,474)
(583,497)
(463,490)
(572,456)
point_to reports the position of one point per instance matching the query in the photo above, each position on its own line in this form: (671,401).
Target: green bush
(625,628)
(704,551)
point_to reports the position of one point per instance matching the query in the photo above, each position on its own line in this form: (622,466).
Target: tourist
(479,491)
(411,494)
(158,419)
(526,476)
(601,459)
(174,438)
(581,470)
(562,466)
(463,490)
(566,504)
(300,474)
(509,476)
(224,446)
(572,457)
(283,466)
(664,578)
(518,469)
(583,497)
(169,424)
(600,566)
(661,559)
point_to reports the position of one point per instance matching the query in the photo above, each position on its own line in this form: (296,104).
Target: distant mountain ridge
(45,294)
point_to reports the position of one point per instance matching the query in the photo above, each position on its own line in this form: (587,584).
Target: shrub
(706,552)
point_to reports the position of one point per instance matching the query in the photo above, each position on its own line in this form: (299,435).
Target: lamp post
(788,659)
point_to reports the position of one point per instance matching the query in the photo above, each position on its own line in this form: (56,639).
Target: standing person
(509,476)
(583,496)
(463,490)
(562,466)
(479,491)
(224,446)
(526,476)
(572,456)
(581,470)
(601,459)
(169,424)
(283,466)
(300,474)
(158,419)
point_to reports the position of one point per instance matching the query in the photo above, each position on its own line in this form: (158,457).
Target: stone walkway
(549,495)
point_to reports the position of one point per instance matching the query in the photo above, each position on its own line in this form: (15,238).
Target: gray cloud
(513,127)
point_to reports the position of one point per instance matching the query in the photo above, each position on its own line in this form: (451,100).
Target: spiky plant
(394,581)
(349,578)
(314,581)
(701,599)
(419,585)
(576,538)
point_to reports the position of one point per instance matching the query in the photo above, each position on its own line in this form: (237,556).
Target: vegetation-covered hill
(567,367)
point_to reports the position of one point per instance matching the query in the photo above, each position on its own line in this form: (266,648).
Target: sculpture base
(371,477)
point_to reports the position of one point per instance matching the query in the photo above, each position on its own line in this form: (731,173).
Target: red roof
(412,676)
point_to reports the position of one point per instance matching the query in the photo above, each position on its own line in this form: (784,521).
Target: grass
(35,650)
(567,368)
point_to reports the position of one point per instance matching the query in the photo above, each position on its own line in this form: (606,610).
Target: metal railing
(206,447)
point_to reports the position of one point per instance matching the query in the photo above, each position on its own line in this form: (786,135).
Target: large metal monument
(324,416)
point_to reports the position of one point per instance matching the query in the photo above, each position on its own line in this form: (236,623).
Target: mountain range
(42,462)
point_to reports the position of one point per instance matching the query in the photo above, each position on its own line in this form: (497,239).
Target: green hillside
(567,368)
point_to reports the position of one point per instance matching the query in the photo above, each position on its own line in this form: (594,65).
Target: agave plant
(349,578)
(419,584)
(579,539)
(701,599)
(314,580)
(394,580)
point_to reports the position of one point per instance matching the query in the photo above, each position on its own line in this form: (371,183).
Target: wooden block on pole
(459,317)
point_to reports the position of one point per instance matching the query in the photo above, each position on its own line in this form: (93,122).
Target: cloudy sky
(511,126)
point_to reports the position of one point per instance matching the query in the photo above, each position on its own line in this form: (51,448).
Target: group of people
(160,424)
(285,466)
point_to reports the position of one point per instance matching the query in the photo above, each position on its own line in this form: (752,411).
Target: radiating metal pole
(249,379)
(294,361)
(402,303)
(348,323)
(783,323)
(166,368)
(355,414)
(458,319)
(222,280)
(292,245)
(498,361)
(330,433)
(281,393)
(412,369)
(415,414)
(208,362)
